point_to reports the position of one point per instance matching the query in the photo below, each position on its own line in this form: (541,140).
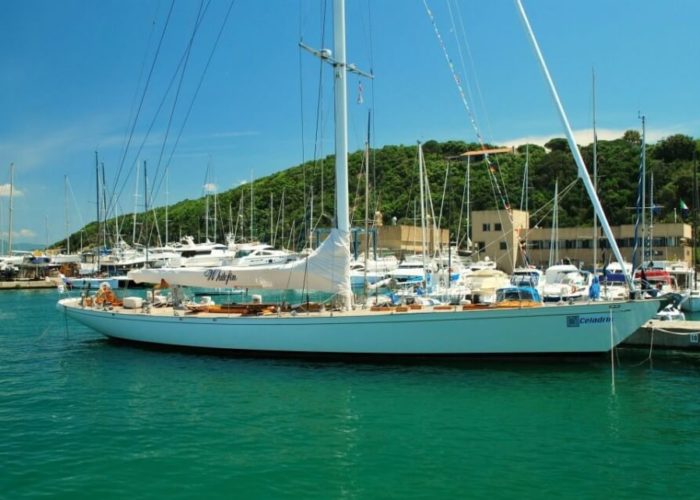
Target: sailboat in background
(10,261)
(581,328)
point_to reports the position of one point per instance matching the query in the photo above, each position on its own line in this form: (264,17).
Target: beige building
(406,240)
(497,234)
(500,237)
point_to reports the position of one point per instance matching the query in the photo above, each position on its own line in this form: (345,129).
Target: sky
(217,92)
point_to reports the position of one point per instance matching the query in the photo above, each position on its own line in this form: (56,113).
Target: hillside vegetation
(395,190)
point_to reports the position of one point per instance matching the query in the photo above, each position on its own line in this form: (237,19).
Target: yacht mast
(595,184)
(104,207)
(582,172)
(342,205)
(166,206)
(97,206)
(251,205)
(9,228)
(554,242)
(206,207)
(422,210)
(340,68)
(651,217)
(214,234)
(369,115)
(644,189)
(136,205)
(695,216)
(65,212)
(469,203)
(145,206)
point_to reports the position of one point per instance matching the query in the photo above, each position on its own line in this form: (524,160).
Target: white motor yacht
(566,282)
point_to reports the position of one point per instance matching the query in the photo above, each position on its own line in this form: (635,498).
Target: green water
(81,417)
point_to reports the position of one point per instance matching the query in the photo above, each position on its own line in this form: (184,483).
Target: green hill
(394,189)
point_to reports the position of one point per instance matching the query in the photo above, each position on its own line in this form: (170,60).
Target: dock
(28,284)
(682,335)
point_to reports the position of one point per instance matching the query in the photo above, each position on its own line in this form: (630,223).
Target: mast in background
(595,184)
(65,212)
(644,187)
(166,207)
(97,206)
(9,227)
(695,217)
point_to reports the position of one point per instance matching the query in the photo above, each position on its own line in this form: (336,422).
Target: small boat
(670,313)
(566,283)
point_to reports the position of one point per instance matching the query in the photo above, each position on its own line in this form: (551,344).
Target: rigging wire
(499,193)
(132,110)
(476,83)
(198,88)
(143,95)
(150,127)
(455,75)
(158,182)
(188,52)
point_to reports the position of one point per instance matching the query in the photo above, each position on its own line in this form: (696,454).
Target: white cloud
(22,233)
(209,187)
(41,148)
(585,136)
(5,190)
(37,150)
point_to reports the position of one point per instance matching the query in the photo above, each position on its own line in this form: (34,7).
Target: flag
(360,93)
(685,211)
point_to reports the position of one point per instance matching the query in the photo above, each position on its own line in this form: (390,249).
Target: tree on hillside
(675,147)
(557,144)
(632,137)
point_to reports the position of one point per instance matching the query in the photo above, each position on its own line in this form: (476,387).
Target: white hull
(580,328)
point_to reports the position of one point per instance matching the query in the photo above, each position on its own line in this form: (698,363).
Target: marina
(335,249)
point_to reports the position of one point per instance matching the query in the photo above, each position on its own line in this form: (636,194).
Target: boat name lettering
(576,321)
(219,276)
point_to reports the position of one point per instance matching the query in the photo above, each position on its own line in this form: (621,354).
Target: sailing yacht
(586,327)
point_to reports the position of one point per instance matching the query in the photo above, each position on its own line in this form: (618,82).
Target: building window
(503,245)
(481,245)
(486,227)
(497,226)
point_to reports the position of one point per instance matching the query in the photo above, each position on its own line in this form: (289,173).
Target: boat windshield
(525,279)
(516,294)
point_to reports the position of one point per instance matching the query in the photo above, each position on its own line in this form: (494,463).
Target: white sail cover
(326,269)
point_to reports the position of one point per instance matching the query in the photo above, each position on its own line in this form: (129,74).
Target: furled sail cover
(326,269)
